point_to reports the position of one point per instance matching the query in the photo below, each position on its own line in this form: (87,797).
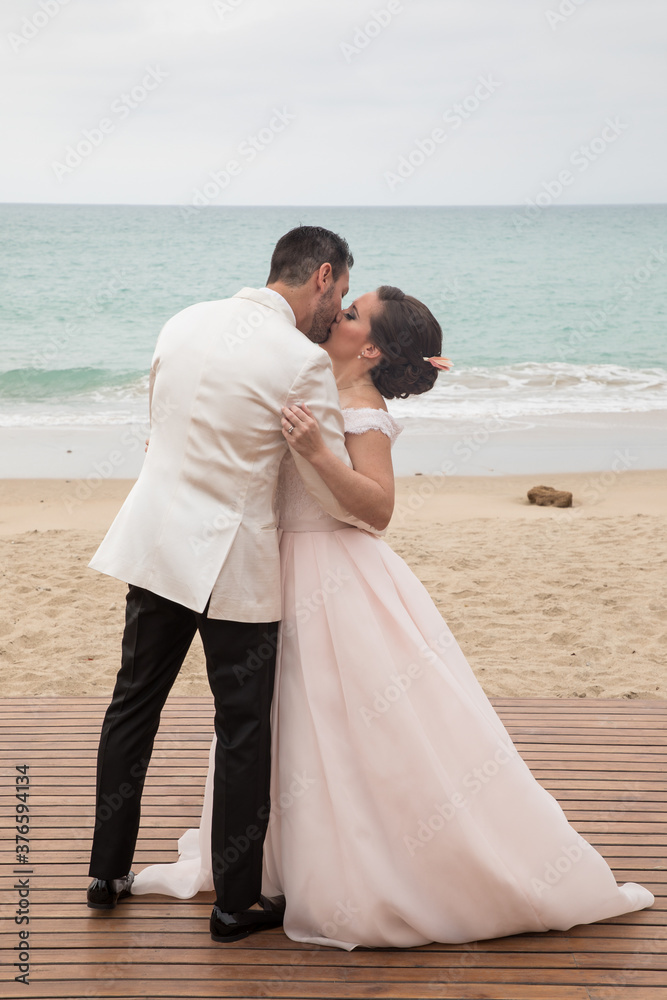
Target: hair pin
(443,364)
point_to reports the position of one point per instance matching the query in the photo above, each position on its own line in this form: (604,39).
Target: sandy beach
(544,602)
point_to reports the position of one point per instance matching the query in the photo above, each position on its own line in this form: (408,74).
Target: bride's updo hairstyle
(405,332)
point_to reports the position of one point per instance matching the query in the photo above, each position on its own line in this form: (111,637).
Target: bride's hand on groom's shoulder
(301,430)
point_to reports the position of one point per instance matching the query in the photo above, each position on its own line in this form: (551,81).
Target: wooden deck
(604,760)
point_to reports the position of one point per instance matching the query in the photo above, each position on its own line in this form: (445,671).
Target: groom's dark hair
(303,250)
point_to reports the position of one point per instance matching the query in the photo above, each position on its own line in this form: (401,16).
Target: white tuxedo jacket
(199,522)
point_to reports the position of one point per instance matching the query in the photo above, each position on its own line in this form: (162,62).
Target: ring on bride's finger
(290,428)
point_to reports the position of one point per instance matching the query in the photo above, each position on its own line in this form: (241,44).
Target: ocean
(544,311)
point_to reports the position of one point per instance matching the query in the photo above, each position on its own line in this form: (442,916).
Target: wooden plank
(189,931)
(531,950)
(622,993)
(250,973)
(296,991)
(234,959)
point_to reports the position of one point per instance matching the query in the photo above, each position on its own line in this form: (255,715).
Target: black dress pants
(240,661)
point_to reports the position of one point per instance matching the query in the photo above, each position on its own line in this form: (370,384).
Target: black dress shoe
(103,894)
(275,904)
(228,927)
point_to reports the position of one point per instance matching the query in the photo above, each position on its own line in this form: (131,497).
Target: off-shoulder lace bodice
(293,501)
(367,419)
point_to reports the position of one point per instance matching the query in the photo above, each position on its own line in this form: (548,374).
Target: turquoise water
(564,312)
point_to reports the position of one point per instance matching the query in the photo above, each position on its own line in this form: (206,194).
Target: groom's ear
(324,277)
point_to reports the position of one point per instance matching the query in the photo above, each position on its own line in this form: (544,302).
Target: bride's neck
(351,373)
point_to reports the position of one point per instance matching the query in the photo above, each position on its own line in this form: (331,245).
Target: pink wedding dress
(401,811)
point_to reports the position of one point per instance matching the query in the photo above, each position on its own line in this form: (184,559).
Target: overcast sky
(320,102)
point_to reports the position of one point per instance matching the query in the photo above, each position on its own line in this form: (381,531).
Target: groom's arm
(316,386)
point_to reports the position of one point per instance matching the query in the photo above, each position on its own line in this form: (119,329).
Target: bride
(401,811)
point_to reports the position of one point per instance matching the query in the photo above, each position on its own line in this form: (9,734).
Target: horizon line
(121,204)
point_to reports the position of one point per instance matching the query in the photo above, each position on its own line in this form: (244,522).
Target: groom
(197,542)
